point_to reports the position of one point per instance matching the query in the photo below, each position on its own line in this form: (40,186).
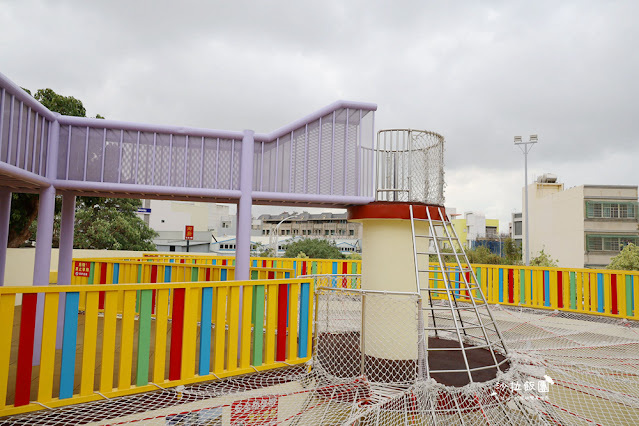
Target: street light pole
(277,233)
(525,148)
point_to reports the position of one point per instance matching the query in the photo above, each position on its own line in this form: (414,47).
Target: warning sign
(188,232)
(82,269)
(261,411)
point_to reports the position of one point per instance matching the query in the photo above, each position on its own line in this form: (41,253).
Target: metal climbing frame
(457,309)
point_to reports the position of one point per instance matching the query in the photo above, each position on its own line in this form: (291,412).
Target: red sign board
(188,232)
(260,411)
(82,269)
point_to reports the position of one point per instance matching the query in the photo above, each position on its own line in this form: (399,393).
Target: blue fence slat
(69,340)
(600,293)
(205,331)
(302,348)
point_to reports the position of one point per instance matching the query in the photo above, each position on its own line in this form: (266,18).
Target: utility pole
(525,148)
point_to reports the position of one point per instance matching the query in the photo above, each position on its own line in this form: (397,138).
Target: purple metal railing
(324,158)
(24,130)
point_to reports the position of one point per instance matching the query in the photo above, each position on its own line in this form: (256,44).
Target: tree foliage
(543,259)
(483,256)
(111,224)
(100,223)
(65,105)
(314,249)
(627,259)
(512,252)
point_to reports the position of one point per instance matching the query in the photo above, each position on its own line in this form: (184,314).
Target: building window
(351,232)
(609,242)
(611,210)
(225,224)
(518,228)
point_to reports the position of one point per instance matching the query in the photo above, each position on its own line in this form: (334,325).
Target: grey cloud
(477,72)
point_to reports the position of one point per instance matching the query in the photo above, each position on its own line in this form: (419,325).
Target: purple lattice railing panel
(325,157)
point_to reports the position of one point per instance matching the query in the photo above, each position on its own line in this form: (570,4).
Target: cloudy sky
(476,72)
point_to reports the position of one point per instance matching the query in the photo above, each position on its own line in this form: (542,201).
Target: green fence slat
(573,290)
(629,296)
(144,337)
(195,274)
(258,324)
(91,272)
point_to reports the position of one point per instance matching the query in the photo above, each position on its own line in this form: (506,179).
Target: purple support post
(44,238)
(243,234)
(66,256)
(46,212)
(5,215)
(243,239)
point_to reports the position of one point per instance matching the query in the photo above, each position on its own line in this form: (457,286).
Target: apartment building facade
(583,226)
(474,226)
(326,225)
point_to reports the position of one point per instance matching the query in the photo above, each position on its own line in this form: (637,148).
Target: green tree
(65,105)
(314,249)
(483,256)
(627,259)
(264,251)
(543,259)
(512,252)
(111,224)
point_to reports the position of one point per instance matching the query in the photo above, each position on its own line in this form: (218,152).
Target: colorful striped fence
(593,291)
(301,266)
(138,352)
(119,271)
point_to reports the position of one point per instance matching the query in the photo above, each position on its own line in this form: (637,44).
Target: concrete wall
(20,262)
(556,223)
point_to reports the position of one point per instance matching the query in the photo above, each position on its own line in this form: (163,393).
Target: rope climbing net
(565,368)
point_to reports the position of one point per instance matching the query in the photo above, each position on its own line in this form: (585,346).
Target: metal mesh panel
(128,161)
(162,158)
(365,333)
(145,163)
(323,157)
(147,158)
(178,160)
(351,150)
(313,164)
(76,153)
(194,162)
(410,166)
(338,157)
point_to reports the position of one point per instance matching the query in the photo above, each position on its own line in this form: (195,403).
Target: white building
(211,222)
(226,245)
(584,226)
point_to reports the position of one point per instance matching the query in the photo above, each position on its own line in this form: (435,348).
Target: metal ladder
(448,296)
